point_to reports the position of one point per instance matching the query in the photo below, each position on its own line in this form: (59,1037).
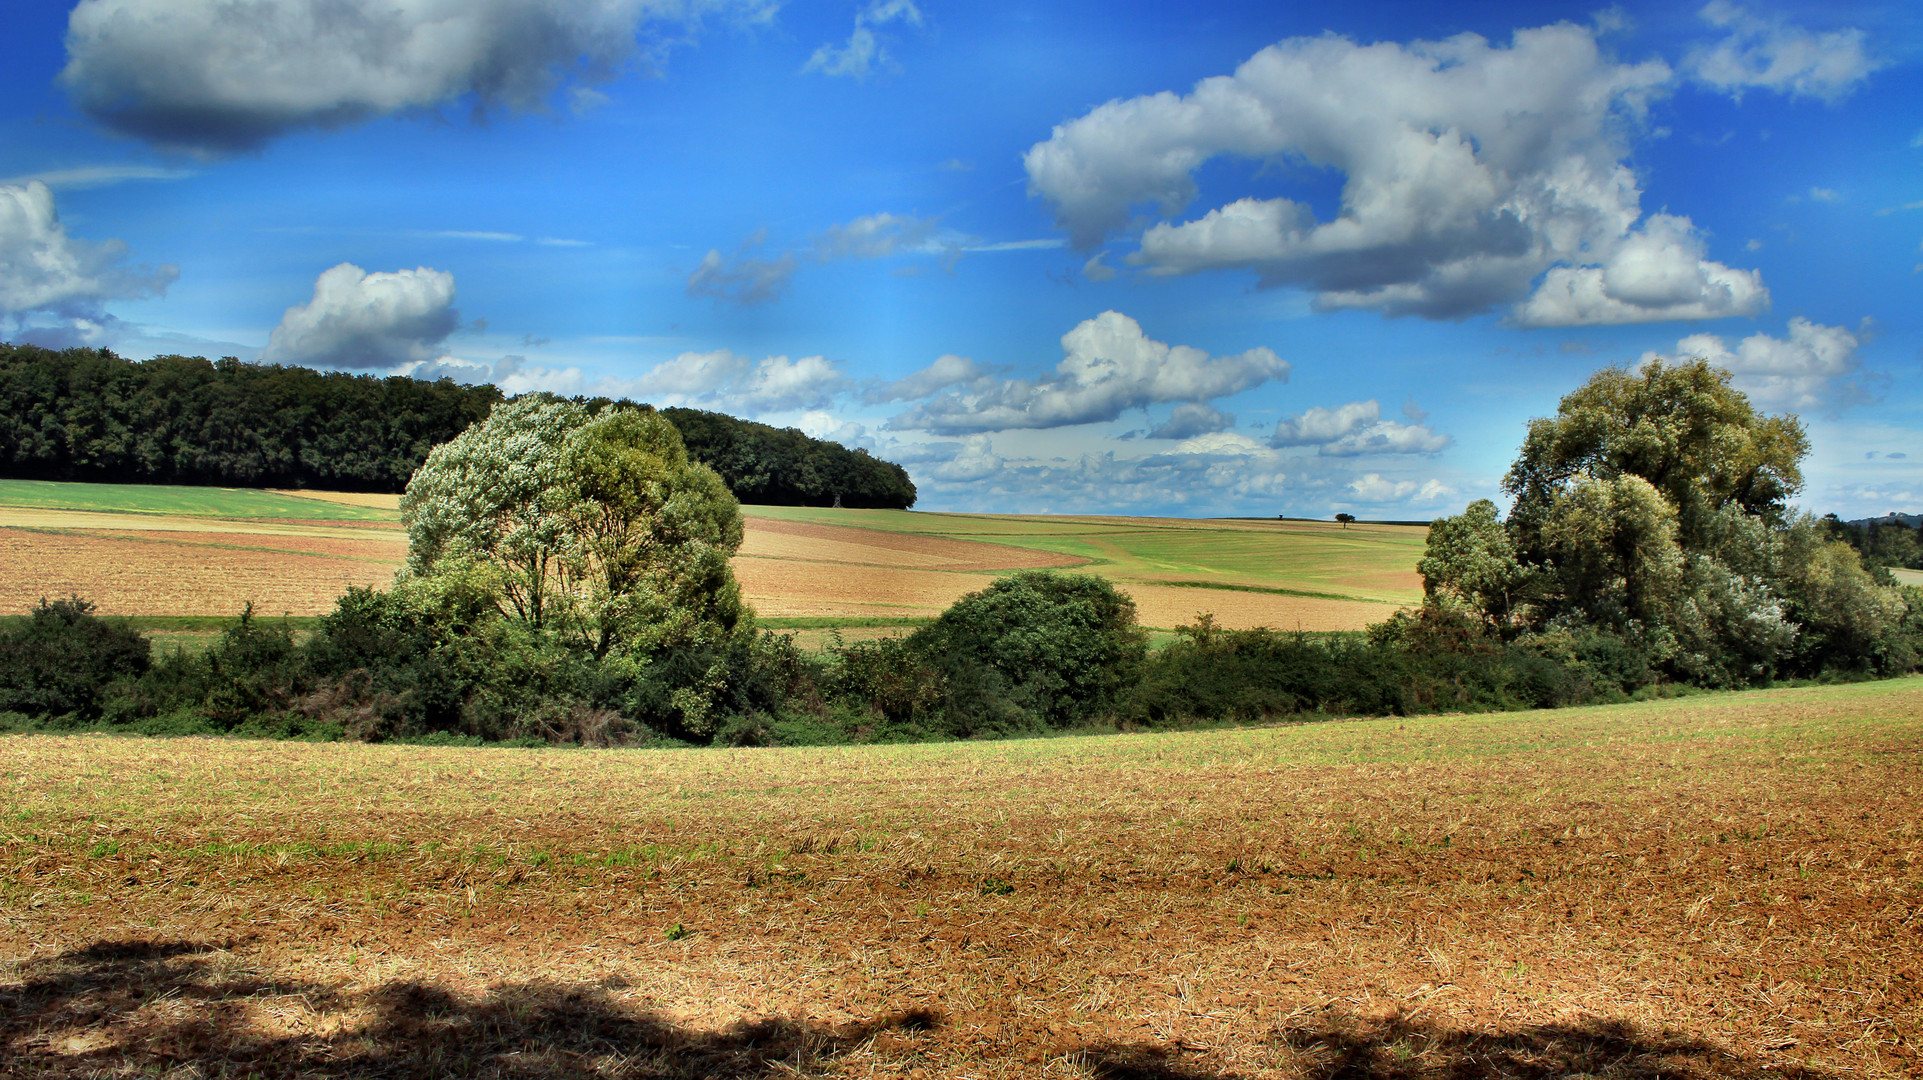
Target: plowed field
(1716,886)
(147,550)
(191,573)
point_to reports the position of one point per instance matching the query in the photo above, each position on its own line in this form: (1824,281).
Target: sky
(1138,258)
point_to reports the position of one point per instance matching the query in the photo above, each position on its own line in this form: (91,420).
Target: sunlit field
(183,551)
(1714,886)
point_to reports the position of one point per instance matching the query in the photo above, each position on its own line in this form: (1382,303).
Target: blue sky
(1204,259)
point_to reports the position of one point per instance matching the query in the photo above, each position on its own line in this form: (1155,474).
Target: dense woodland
(87,414)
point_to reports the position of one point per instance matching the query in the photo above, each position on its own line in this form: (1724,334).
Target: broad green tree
(1653,509)
(1471,563)
(595,528)
(1680,427)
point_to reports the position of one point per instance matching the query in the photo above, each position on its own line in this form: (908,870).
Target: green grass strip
(1269,589)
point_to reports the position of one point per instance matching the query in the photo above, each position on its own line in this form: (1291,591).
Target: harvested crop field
(151,550)
(791,541)
(1714,886)
(204,573)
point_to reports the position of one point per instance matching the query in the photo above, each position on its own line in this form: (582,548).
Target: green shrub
(62,659)
(1034,648)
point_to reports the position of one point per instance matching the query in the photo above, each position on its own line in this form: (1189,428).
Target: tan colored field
(792,541)
(1720,886)
(371,500)
(794,563)
(206,573)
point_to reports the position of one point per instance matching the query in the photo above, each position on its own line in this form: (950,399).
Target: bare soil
(1721,886)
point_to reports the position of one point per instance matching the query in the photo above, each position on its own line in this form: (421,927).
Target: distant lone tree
(595,528)
(1345,519)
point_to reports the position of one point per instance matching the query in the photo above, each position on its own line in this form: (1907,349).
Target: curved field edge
(154,550)
(1716,885)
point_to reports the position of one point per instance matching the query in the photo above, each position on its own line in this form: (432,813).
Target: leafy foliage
(768,466)
(62,658)
(87,414)
(1652,509)
(1059,648)
(597,530)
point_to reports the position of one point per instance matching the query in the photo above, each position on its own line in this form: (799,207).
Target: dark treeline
(1889,541)
(89,415)
(770,466)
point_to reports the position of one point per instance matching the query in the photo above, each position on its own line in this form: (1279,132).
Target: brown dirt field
(776,539)
(787,587)
(212,566)
(1725,886)
(131,574)
(24,518)
(371,500)
(1161,605)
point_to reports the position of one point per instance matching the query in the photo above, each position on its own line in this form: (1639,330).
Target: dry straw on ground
(1716,886)
(791,564)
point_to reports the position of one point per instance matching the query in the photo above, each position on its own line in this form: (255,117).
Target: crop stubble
(1719,886)
(172,564)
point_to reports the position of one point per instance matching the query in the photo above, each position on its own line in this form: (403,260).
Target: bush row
(1036,653)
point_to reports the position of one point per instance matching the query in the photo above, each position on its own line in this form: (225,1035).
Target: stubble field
(160,551)
(1714,886)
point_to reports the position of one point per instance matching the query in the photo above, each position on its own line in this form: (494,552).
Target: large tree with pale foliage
(596,528)
(1653,508)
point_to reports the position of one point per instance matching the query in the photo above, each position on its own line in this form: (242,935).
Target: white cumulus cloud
(1355,429)
(43,269)
(1191,419)
(1813,367)
(1471,169)
(873,237)
(974,460)
(1110,367)
(1775,55)
(218,76)
(1373,488)
(723,378)
(947,370)
(370,321)
(1657,273)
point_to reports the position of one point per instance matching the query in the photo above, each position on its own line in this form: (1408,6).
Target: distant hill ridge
(1912,521)
(90,415)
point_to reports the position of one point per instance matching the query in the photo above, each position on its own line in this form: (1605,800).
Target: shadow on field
(145,1008)
(1345,1048)
(151,1008)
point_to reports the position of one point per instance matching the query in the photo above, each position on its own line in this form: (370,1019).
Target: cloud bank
(1471,170)
(1110,367)
(44,271)
(380,321)
(1814,367)
(220,76)
(725,378)
(1356,429)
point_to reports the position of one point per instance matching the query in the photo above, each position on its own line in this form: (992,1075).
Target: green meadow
(241,503)
(1297,558)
